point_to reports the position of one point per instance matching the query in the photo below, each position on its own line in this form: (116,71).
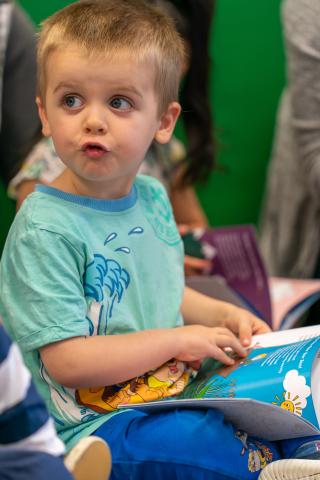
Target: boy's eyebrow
(130,89)
(70,86)
(120,89)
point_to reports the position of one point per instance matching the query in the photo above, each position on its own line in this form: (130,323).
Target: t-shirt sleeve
(42,164)
(42,298)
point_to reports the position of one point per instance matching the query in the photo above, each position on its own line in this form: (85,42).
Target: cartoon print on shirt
(105,282)
(166,381)
(63,401)
(159,214)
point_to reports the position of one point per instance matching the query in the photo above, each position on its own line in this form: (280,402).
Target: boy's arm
(106,360)
(200,309)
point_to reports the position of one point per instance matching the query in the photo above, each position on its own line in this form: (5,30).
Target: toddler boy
(92,273)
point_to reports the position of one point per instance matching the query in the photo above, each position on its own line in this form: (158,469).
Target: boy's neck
(69,183)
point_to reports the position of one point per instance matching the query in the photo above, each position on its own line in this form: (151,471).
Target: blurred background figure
(290,233)
(19,122)
(18,114)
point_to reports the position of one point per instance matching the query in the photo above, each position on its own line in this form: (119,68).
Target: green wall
(7,209)
(38,10)
(247,78)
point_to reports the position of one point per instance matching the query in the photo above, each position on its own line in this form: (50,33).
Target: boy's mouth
(94,150)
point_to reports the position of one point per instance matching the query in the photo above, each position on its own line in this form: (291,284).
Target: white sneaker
(89,459)
(292,469)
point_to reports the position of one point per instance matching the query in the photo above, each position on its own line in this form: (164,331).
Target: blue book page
(286,409)
(277,375)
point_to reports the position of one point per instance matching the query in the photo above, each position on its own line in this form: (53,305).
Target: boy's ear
(167,123)
(43,117)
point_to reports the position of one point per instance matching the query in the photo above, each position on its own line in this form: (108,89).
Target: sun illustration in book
(294,397)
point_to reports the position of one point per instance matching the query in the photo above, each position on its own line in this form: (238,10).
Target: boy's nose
(95,122)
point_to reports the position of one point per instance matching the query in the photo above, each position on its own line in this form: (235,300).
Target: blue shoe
(309,450)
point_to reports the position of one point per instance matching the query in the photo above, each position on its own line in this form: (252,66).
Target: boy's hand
(200,309)
(243,323)
(196,342)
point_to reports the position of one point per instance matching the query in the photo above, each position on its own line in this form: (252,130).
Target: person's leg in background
(88,460)
(29,446)
(18,464)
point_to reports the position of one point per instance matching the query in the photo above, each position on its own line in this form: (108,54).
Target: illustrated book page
(267,394)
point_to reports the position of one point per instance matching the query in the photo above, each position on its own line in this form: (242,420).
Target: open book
(290,299)
(238,275)
(274,393)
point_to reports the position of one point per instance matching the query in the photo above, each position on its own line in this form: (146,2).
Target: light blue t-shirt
(78,266)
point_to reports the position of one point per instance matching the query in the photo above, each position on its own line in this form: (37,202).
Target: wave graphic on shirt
(105,283)
(67,410)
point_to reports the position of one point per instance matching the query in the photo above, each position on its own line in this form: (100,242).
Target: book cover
(239,263)
(290,299)
(239,276)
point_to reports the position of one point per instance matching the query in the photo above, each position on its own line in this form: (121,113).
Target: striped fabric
(24,421)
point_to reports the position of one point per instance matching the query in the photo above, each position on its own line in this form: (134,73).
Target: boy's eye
(72,101)
(120,103)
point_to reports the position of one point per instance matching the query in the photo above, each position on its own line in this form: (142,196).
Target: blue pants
(25,465)
(186,444)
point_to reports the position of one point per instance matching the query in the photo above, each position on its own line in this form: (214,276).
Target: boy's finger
(245,332)
(220,355)
(230,341)
(237,347)
(261,327)
(196,364)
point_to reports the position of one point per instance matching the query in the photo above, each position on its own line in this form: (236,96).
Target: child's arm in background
(42,165)
(200,309)
(106,360)
(186,208)
(188,214)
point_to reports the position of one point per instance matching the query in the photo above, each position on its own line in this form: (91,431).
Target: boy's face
(102,115)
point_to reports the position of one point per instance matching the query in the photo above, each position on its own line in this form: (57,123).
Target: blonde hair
(114,27)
